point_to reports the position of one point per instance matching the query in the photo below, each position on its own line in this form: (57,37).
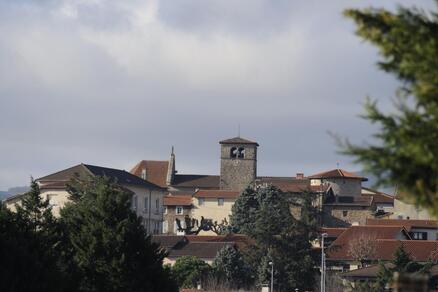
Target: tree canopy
(405,153)
(264,214)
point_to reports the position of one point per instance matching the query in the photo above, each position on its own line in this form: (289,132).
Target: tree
(105,244)
(189,270)
(264,214)
(29,244)
(363,248)
(405,153)
(229,266)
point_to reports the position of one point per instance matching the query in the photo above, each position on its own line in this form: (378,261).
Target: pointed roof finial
(172,150)
(238,130)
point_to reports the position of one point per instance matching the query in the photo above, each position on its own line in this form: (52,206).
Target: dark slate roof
(168,241)
(238,140)
(83,170)
(197,181)
(205,250)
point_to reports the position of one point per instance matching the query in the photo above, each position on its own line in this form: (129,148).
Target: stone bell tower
(238,163)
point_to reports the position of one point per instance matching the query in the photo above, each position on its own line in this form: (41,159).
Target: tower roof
(238,140)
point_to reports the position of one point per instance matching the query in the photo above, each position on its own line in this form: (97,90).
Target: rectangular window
(201,201)
(220,201)
(165,226)
(175,227)
(143,173)
(179,210)
(164,209)
(344,213)
(418,235)
(134,202)
(146,205)
(157,206)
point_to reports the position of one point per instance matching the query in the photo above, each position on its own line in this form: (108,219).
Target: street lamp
(323,235)
(272,276)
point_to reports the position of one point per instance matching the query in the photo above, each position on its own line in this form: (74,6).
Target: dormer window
(143,173)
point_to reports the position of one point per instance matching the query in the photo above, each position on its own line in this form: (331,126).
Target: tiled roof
(339,249)
(379,197)
(238,140)
(216,194)
(364,273)
(168,241)
(408,223)
(156,171)
(205,250)
(338,173)
(332,231)
(197,181)
(177,200)
(122,177)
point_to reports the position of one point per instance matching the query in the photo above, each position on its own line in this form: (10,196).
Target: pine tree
(106,246)
(405,153)
(229,266)
(264,215)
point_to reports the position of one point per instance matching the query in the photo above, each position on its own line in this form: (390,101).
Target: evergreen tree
(405,153)
(29,244)
(105,245)
(229,266)
(189,270)
(264,215)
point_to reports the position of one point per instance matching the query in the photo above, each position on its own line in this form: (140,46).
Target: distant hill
(13,191)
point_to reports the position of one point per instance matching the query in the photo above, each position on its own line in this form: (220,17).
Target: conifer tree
(405,152)
(230,267)
(106,246)
(189,270)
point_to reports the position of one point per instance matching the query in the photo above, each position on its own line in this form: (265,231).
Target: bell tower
(238,163)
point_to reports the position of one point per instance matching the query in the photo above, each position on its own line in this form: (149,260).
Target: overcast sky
(113,82)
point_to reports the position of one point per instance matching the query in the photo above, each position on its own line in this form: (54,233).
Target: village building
(146,202)
(342,198)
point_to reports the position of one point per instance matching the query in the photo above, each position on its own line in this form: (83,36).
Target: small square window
(179,210)
(201,201)
(220,201)
(344,213)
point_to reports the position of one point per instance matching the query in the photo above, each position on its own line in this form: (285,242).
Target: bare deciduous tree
(363,248)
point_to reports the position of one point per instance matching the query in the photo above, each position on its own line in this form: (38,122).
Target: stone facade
(343,216)
(238,172)
(170,216)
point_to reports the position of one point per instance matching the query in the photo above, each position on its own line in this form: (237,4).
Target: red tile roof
(177,200)
(338,173)
(419,250)
(216,194)
(333,231)
(339,249)
(379,197)
(156,171)
(407,223)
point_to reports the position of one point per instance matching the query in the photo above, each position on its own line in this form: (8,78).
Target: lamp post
(323,235)
(272,276)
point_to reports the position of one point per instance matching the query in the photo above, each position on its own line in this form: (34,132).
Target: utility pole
(272,276)
(323,235)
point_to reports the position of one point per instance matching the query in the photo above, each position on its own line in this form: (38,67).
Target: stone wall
(337,216)
(238,173)
(171,216)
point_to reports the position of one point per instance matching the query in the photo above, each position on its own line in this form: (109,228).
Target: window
(179,210)
(233,152)
(220,201)
(165,227)
(134,202)
(418,235)
(146,205)
(157,206)
(156,227)
(143,173)
(175,227)
(241,153)
(164,209)
(344,213)
(201,201)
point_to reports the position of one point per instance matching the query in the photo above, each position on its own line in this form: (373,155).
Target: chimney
(300,175)
(171,169)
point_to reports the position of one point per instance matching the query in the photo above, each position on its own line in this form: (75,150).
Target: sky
(111,83)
